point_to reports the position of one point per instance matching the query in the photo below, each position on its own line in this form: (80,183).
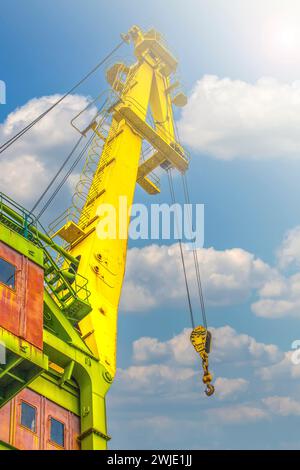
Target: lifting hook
(201,340)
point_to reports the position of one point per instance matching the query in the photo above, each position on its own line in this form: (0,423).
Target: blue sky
(250,193)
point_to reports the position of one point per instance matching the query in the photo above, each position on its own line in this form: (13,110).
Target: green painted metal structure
(79,383)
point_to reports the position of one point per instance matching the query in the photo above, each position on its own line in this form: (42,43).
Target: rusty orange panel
(60,414)
(34,295)
(21,309)
(5,422)
(70,421)
(74,423)
(71,424)
(10,300)
(14,433)
(24,438)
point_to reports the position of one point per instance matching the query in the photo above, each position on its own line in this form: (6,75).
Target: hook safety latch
(201,340)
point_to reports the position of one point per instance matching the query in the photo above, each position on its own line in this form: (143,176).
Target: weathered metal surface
(5,422)
(20,244)
(15,434)
(33,311)
(70,421)
(21,309)
(22,437)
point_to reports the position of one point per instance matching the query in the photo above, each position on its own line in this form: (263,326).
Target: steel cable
(19,134)
(195,255)
(74,164)
(171,186)
(57,174)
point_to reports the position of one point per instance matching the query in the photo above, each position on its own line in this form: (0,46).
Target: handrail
(110,98)
(38,235)
(62,281)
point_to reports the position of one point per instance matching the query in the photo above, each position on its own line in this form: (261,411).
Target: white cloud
(136,298)
(162,390)
(170,367)
(152,377)
(170,372)
(28,165)
(145,349)
(23,176)
(279,300)
(230,387)
(154,279)
(229,276)
(289,251)
(228,346)
(273,288)
(280,297)
(283,370)
(238,414)
(283,406)
(230,119)
(176,350)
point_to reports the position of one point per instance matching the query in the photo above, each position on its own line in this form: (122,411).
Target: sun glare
(282,40)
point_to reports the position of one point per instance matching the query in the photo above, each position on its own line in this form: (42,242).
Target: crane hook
(201,340)
(210,390)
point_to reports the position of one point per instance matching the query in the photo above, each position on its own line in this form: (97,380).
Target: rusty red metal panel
(52,410)
(75,431)
(71,426)
(13,432)
(21,309)
(5,422)
(34,295)
(10,300)
(24,438)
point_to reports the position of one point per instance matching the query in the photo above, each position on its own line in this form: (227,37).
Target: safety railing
(70,214)
(18,218)
(147,152)
(68,288)
(65,284)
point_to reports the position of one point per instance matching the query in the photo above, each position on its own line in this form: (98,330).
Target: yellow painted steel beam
(102,261)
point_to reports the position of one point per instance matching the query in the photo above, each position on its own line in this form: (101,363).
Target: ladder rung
(49,270)
(66,297)
(60,288)
(54,279)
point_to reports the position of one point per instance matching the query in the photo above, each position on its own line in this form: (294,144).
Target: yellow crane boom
(145,86)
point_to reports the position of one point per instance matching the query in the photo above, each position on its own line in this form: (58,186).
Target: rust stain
(21,313)
(12,431)
(21,310)
(5,422)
